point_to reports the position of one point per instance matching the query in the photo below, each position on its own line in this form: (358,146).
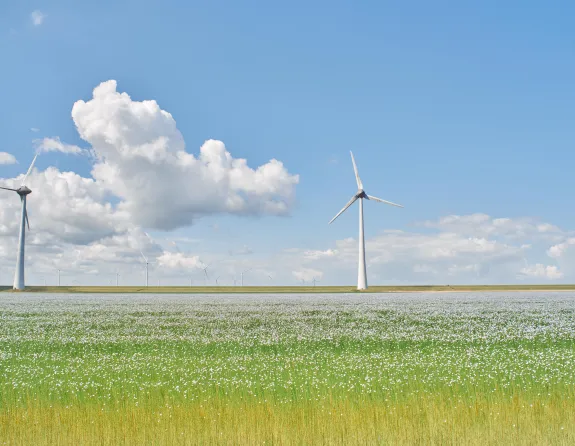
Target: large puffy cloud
(142,176)
(141,159)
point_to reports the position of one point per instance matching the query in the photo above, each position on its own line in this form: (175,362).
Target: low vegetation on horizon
(288,289)
(396,369)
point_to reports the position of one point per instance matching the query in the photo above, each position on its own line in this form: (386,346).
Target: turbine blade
(357,178)
(369,197)
(349,203)
(29,170)
(143,256)
(8,188)
(27,221)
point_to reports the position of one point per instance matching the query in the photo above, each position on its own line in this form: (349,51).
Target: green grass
(288,289)
(347,369)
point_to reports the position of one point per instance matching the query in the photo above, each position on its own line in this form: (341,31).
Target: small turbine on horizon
(23,191)
(147,265)
(205,270)
(361,195)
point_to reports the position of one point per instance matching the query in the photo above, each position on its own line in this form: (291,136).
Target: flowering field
(451,368)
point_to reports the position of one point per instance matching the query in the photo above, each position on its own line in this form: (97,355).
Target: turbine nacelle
(361,194)
(23,191)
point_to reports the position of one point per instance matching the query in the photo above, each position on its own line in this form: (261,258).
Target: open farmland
(454,368)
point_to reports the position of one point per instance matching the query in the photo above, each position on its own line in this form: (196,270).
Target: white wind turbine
(204,268)
(146,261)
(23,191)
(147,266)
(361,195)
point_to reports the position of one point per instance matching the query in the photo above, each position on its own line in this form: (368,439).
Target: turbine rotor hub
(361,194)
(23,191)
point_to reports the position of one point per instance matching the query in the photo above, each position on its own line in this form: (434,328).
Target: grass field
(435,368)
(288,289)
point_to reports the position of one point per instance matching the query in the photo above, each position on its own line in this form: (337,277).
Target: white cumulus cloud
(178,260)
(142,159)
(559,249)
(142,177)
(7,158)
(539,270)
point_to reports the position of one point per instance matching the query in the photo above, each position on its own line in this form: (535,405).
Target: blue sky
(449,108)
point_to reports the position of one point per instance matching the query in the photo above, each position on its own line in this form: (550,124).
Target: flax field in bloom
(436,368)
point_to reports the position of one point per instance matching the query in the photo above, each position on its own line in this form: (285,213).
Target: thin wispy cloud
(55,145)
(37,17)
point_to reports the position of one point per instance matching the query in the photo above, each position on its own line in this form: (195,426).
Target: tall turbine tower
(361,195)
(23,191)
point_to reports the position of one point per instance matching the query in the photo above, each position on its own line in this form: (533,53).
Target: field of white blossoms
(435,368)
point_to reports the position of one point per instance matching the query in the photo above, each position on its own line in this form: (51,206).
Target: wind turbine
(205,270)
(147,265)
(23,191)
(361,195)
(314,280)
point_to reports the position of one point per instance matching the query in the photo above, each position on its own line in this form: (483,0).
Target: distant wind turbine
(361,195)
(147,262)
(205,270)
(23,191)
(314,280)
